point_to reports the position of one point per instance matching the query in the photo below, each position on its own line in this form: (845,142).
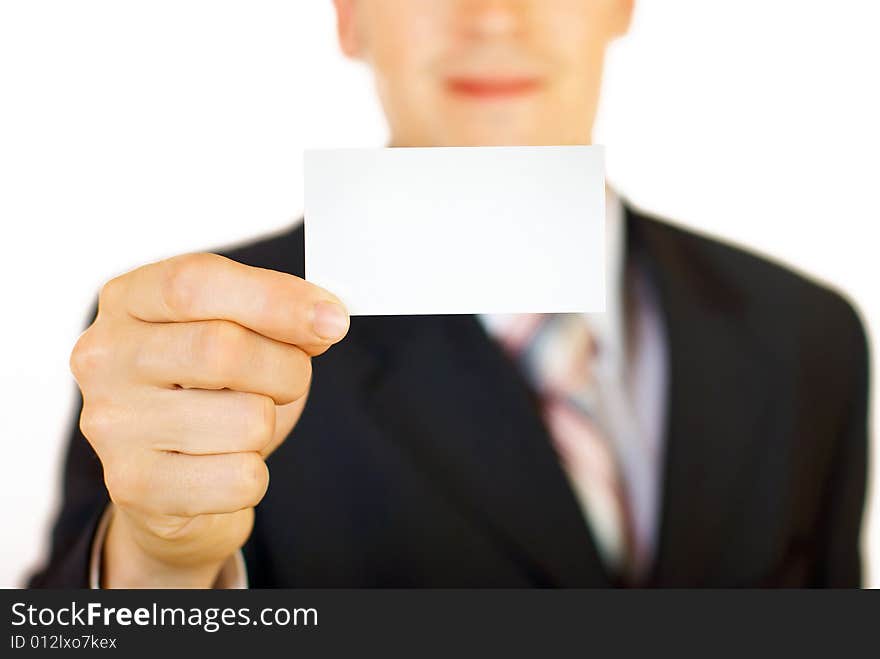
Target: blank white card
(457,230)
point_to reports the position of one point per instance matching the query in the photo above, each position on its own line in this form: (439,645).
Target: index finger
(197,287)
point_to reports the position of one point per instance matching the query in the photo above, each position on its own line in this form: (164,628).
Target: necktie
(555,353)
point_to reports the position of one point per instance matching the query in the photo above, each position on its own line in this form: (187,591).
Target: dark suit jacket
(421,460)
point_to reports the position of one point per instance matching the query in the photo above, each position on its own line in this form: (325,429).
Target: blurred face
(484,72)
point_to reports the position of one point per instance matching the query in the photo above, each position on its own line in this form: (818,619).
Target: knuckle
(90,354)
(260,422)
(124,483)
(252,479)
(301,378)
(110,293)
(98,422)
(180,281)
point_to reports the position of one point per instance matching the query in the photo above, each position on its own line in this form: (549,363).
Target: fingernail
(330,321)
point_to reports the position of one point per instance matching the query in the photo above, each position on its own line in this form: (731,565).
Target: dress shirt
(630,370)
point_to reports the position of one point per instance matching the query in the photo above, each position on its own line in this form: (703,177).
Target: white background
(131,130)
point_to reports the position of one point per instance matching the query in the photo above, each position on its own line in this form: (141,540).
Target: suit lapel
(717,405)
(449,397)
(445,393)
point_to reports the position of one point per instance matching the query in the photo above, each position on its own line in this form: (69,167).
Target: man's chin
(505,138)
(513,141)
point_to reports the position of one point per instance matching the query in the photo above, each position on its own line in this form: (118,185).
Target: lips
(492,87)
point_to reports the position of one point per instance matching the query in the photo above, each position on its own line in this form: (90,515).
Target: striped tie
(555,352)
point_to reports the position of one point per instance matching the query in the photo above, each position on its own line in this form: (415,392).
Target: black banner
(448,623)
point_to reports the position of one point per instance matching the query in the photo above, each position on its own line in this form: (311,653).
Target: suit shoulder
(763,283)
(282,251)
(795,316)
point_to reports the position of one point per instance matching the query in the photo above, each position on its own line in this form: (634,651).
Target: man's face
(484,72)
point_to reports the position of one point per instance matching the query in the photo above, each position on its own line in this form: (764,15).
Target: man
(708,430)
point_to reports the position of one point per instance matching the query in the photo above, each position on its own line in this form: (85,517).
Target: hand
(195,369)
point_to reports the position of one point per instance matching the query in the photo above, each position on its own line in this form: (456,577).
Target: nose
(491,18)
